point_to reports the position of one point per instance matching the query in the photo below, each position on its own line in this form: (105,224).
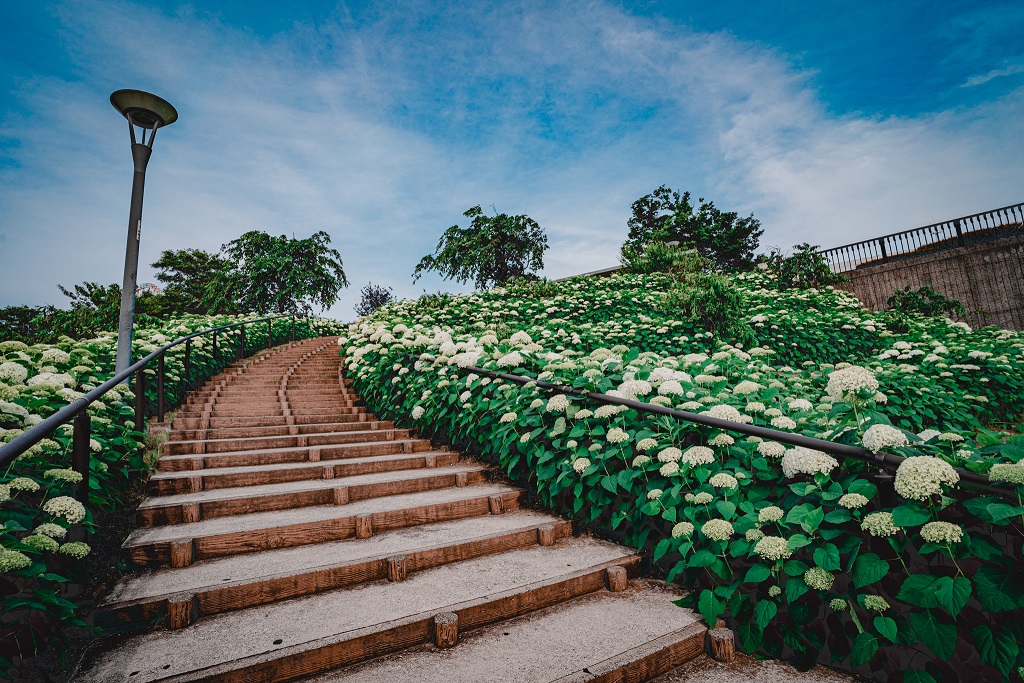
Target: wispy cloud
(994,73)
(384,128)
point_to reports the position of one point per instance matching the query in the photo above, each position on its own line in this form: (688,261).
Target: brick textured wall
(988,279)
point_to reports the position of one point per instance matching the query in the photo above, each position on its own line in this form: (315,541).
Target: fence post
(959,233)
(293,329)
(216,356)
(241,342)
(881,243)
(270,332)
(140,400)
(80,454)
(188,364)
(160,388)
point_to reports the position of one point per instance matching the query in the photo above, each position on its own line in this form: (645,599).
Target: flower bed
(38,514)
(809,558)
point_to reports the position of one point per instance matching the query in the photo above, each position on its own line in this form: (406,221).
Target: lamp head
(144,109)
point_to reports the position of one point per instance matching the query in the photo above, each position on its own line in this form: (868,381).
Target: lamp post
(148,112)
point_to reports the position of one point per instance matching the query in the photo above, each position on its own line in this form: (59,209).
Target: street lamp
(148,112)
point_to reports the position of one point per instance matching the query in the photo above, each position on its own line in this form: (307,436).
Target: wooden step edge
(645,661)
(152,612)
(181,552)
(340,494)
(203,446)
(332,652)
(208,480)
(190,462)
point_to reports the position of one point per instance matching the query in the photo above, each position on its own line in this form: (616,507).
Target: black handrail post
(293,329)
(959,233)
(216,356)
(140,400)
(881,243)
(188,364)
(270,332)
(241,342)
(80,440)
(160,388)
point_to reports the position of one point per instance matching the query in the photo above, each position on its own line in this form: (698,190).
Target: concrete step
(631,635)
(193,507)
(197,422)
(182,544)
(371,443)
(225,584)
(274,430)
(168,483)
(312,634)
(251,443)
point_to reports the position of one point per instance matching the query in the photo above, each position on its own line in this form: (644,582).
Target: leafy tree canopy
(191,278)
(281,274)
(491,251)
(373,297)
(722,236)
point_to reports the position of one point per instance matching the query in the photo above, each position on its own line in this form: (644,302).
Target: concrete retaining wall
(987,278)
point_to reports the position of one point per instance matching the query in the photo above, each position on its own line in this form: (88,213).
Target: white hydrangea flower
(942,532)
(557,403)
(771,449)
(800,404)
(770,514)
(881,436)
(702,498)
(850,382)
(697,455)
(773,548)
(928,434)
(668,469)
(819,579)
(646,444)
(922,476)
(723,480)
(508,417)
(755,407)
(721,440)
(879,524)
(640,461)
(783,422)
(616,435)
(717,529)
(682,529)
(580,464)
(723,412)
(853,501)
(747,387)
(800,460)
(66,507)
(417,412)
(654,494)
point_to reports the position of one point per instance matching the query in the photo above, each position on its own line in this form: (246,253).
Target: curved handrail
(21,443)
(973,479)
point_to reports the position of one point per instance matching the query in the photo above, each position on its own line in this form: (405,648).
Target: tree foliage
(804,268)
(373,297)
(491,251)
(281,274)
(191,278)
(924,301)
(722,236)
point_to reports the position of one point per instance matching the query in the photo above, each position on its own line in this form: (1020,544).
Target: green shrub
(659,257)
(924,301)
(803,269)
(713,303)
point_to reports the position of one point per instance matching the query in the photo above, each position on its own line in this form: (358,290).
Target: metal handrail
(910,242)
(76,410)
(889,460)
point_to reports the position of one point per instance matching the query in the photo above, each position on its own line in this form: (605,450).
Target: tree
(373,297)
(724,237)
(491,251)
(192,279)
(280,275)
(804,268)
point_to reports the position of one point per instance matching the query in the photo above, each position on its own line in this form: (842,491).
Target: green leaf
(710,607)
(702,558)
(863,649)
(999,650)
(918,676)
(559,427)
(979,507)
(887,627)
(757,574)
(1000,512)
(910,515)
(764,612)
(795,587)
(609,484)
(867,569)
(918,589)
(827,557)
(939,637)
(998,589)
(797,541)
(953,593)
(726,508)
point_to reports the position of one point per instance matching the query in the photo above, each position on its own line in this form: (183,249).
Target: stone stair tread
(280,518)
(277,436)
(174,436)
(252,566)
(284,449)
(303,485)
(243,469)
(258,635)
(549,645)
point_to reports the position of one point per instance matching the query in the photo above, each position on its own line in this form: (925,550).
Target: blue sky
(382,122)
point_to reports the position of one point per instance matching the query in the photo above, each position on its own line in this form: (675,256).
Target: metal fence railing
(957,232)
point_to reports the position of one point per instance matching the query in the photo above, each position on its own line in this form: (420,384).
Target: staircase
(289,533)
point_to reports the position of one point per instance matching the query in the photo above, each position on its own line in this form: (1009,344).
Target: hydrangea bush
(809,557)
(38,514)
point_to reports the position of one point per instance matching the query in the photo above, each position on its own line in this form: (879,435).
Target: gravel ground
(746,669)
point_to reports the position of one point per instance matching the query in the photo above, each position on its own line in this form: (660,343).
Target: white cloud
(383,133)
